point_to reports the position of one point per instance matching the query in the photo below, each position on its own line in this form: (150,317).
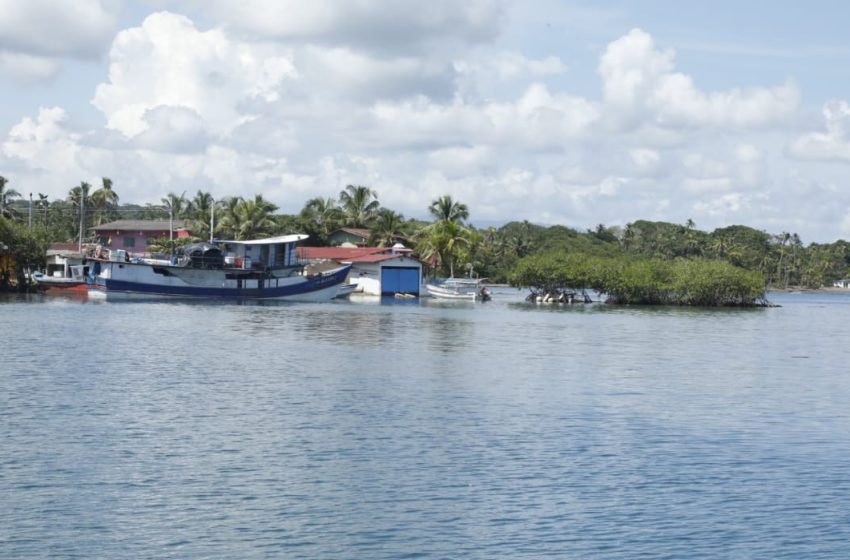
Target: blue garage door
(404,280)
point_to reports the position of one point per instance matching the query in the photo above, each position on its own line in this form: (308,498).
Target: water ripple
(423,431)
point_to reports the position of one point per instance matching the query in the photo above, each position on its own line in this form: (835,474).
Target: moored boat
(75,281)
(469,289)
(255,269)
(345,290)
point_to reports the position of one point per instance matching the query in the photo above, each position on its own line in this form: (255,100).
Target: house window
(129,242)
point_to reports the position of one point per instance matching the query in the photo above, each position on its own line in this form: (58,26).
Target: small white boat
(345,290)
(469,289)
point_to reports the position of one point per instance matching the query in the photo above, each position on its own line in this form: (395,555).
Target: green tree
(199,212)
(359,205)
(78,198)
(27,245)
(104,202)
(386,228)
(440,242)
(43,205)
(176,205)
(248,219)
(445,209)
(7,195)
(322,216)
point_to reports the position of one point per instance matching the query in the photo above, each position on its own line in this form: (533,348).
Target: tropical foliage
(638,280)
(448,244)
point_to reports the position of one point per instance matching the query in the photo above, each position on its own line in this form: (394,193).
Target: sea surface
(407,429)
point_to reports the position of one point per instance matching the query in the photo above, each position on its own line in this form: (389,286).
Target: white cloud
(834,144)
(723,205)
(169,62)
(356,76)
(45,143)
(81,28)
(510,66)
(641,87)
(397,25)
(313,104)
(27,68)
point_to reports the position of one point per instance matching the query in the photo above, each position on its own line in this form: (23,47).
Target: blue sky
(575,113)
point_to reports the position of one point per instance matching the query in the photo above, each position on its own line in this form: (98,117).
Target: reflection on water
(347,430)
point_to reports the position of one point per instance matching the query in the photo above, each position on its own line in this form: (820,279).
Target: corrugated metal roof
(359,232)
(268,241)
(380,257)
(338,253)
(139,225)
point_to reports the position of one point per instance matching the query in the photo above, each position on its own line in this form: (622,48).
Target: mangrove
(635,280)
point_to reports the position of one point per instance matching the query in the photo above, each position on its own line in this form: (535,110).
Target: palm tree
(228,223)
(359,205)
(439,243)
(386,228)
(5,196)
(248,219)
(444,209)
(44,205)
(324,214)
(79,199)
(176,205)
(255,218)
(199,211)
(104,200)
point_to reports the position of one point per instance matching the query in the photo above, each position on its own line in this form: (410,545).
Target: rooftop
(139,225)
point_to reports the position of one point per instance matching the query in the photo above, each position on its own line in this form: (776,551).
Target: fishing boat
(258,269)
(345,290)
(74,281)
(469,289)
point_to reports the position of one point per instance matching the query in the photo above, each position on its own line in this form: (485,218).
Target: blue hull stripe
(311,285)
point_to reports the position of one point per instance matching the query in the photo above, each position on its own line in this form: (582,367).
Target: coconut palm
(359,205)
(439,244)
(248,219)
(199,211)
(176,205)
(43,205)
(228,221)
(6,195)
(79,199)
(386,228)
(445,209)
(104,201)
(324,213)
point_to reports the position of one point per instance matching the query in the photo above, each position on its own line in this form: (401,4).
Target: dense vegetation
(629,279)
(450,245)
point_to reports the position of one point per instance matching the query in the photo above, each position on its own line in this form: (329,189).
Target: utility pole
(82,215)
(212,221)
(171,227)
(29,219)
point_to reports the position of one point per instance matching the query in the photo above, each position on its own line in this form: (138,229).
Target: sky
(552,111)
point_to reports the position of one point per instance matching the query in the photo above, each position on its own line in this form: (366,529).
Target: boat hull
(134,281)
(54,286)
(443,293)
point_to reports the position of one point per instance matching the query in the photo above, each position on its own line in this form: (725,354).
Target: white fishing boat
(469,289)
(256,269)
(75,281)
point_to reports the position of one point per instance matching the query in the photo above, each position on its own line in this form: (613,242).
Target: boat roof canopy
(268,241)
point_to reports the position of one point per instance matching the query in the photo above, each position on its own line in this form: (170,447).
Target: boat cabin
(261,254)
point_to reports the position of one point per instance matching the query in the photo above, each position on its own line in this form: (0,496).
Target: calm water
(415,430)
